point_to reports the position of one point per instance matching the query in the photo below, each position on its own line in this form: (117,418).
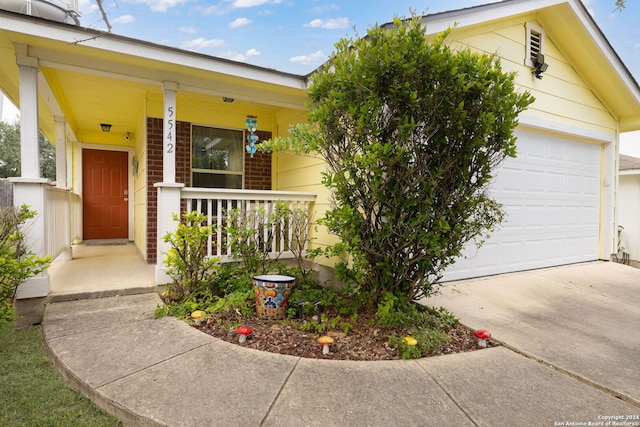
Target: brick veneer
(257,171)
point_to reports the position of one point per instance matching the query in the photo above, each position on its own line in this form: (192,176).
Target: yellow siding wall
(561,95)
(140,189)
(302,173)
(204,110)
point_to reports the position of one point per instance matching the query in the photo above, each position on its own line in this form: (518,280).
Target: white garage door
(551,194)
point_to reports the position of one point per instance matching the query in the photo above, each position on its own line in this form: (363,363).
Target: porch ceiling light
(106,127)
(228,99)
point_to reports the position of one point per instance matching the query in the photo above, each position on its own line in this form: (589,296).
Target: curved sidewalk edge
(162,372)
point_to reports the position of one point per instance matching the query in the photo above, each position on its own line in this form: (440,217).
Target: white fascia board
(122,45)
(572,131)
(198,61)
(439,22)
(630,172)
(607,50)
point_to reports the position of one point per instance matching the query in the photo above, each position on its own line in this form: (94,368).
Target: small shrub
(427,340)
(251,233)
(394,311)
(17,263)
(230,277)
(301,222)
(439,318)
(187,261)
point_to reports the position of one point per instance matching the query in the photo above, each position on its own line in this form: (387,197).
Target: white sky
(8,110)
(630,144)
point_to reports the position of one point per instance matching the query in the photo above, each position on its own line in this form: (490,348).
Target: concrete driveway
(583,319)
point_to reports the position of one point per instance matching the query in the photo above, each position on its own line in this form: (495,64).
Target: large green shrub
(17,263)
(412,132)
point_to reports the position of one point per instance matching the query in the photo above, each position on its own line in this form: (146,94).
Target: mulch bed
(363,342)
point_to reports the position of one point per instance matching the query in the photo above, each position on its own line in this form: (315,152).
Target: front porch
(178,121)
(101,268)
(97,269)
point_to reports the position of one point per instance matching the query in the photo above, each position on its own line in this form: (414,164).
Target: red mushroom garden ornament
(243,332)
(482,336)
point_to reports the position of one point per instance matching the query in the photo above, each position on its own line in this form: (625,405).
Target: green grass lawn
(32,392)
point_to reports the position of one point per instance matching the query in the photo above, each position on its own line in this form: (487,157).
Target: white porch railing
(62,218)
(215,203)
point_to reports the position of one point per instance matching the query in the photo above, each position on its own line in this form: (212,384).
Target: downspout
(616,183)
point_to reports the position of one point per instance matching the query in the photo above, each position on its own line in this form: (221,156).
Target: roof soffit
(195,80)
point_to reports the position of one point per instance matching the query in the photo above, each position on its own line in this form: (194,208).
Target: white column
(168,190)
(169,132)
(30,189)
(62,182)
(168,204)
(61,152)
(69,163)
(29,152)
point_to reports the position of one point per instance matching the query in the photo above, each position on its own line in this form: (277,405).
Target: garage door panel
(551,197)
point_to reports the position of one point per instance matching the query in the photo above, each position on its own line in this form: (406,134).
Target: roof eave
(67,33)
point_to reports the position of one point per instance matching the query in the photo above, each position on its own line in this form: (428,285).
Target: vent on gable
(535,43)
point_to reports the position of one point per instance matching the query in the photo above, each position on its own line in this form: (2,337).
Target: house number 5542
(169,137)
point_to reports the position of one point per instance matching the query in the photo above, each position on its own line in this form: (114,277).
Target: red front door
(104,195)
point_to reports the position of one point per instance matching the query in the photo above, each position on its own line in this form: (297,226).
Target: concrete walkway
(162,372)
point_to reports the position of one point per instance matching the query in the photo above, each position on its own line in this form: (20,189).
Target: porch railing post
(168,204)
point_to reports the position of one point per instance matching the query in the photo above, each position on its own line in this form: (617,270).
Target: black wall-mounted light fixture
(106,127)
(227,99)
(540,65)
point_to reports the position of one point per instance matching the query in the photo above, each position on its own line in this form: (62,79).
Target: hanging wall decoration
(252,138)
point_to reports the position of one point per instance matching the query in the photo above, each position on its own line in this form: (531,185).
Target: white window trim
(531,27)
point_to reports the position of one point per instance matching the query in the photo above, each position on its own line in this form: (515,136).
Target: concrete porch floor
(101,268)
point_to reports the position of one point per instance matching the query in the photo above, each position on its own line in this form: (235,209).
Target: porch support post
(168,190)
(169,132)
(63,183)
(61,152)
(29,189)
(168,204)
(29,152)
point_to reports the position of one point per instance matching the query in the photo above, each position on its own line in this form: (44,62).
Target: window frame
(193,170)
